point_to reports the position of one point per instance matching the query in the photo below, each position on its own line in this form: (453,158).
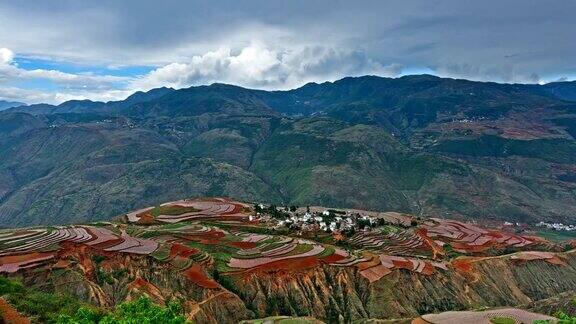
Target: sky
(58,50)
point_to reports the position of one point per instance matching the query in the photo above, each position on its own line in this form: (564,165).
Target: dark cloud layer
(505,41)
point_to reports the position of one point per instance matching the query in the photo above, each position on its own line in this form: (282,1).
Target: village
(336,221)
(557,226)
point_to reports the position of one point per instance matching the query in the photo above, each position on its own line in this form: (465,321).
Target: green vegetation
(98,258)
(220,253)
(56,308)
(300,248)
(172,210)
(162,253)
(553,150)
(365,142)
(450,252)
(502,320)
(141,310)
(557,236)
(39,306)
(328,251)
(562,317)
(249,229)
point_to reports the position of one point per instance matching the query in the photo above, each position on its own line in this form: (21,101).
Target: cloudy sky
(52,51)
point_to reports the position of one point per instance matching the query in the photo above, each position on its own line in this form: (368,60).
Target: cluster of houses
(326,220)
(557,226)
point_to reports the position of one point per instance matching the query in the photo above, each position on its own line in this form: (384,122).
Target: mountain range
(419,144)
(10,104)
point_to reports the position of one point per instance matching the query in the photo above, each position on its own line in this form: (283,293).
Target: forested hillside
(418,144)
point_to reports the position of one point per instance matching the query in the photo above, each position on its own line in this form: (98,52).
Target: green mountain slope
(418,144)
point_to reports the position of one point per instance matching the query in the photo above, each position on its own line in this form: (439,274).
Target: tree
(141,310)
(362,223)
(381,222)
(349,232)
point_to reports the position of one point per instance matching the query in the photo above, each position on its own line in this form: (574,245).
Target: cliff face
(327,292)
(491,282)
(331,292)
(322,292)
(123,277)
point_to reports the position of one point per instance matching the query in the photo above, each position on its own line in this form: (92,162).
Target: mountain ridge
(419,144)
(4,104)
(560,89)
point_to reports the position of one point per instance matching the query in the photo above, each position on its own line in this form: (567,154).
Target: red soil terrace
(9,315)
(196,274)
(181,250)
(244,245)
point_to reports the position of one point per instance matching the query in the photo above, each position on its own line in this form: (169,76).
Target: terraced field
(218,232)
(209,243)
(196,209)
(401,242)
(31,248)
(512,315)
(469,238)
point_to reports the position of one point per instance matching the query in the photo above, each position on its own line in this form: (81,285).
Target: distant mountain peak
(141,96)
(4,104)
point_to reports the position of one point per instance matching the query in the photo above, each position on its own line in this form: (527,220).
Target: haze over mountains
(10,104)
(419,144)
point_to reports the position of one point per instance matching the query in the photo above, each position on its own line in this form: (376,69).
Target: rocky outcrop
(491,282)
(333,293)
(117,277)
(330,293)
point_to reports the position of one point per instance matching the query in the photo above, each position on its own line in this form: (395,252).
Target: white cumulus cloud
(258,66)
(6,55)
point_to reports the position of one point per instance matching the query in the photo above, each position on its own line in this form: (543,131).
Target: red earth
(10,315)
(333,258)
(109,244)
(244,245)
(23,257)
(61,264)
(287,265)
(146,219)
(403,264)
(196,274)
(463,265)
(211,237)
(374,261)
(428,269)
(436,249)
(182,250)
(77,251)
(148,288)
